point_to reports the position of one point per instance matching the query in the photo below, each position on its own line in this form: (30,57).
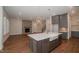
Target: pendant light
(50,20)
(39,18)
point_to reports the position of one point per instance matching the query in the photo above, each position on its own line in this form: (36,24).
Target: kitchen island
(44,42)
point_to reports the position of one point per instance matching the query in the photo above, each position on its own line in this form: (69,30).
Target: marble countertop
(42,36)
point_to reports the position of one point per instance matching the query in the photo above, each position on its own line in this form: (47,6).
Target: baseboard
(15,34)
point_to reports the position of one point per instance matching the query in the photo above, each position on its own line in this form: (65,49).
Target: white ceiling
(29,12)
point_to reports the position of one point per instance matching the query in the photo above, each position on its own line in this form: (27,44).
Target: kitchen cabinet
(53,44)
(63,22)
(64,35)
(75,34)
(55,19)
(41,46)
(44,43)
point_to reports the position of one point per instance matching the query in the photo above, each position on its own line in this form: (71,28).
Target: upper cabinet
(63,22)
(55,19)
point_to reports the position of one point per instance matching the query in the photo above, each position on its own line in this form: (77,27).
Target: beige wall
(75,22)
(15,26)
(26,24)
(38,26)
(49,25)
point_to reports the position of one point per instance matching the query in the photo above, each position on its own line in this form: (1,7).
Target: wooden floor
(68,46)
(20,44)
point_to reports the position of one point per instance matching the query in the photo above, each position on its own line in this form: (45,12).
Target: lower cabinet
(64,35)
(43,46)
(75,34)
(54,44)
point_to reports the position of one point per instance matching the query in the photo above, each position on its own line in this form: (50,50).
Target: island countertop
(42,36)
